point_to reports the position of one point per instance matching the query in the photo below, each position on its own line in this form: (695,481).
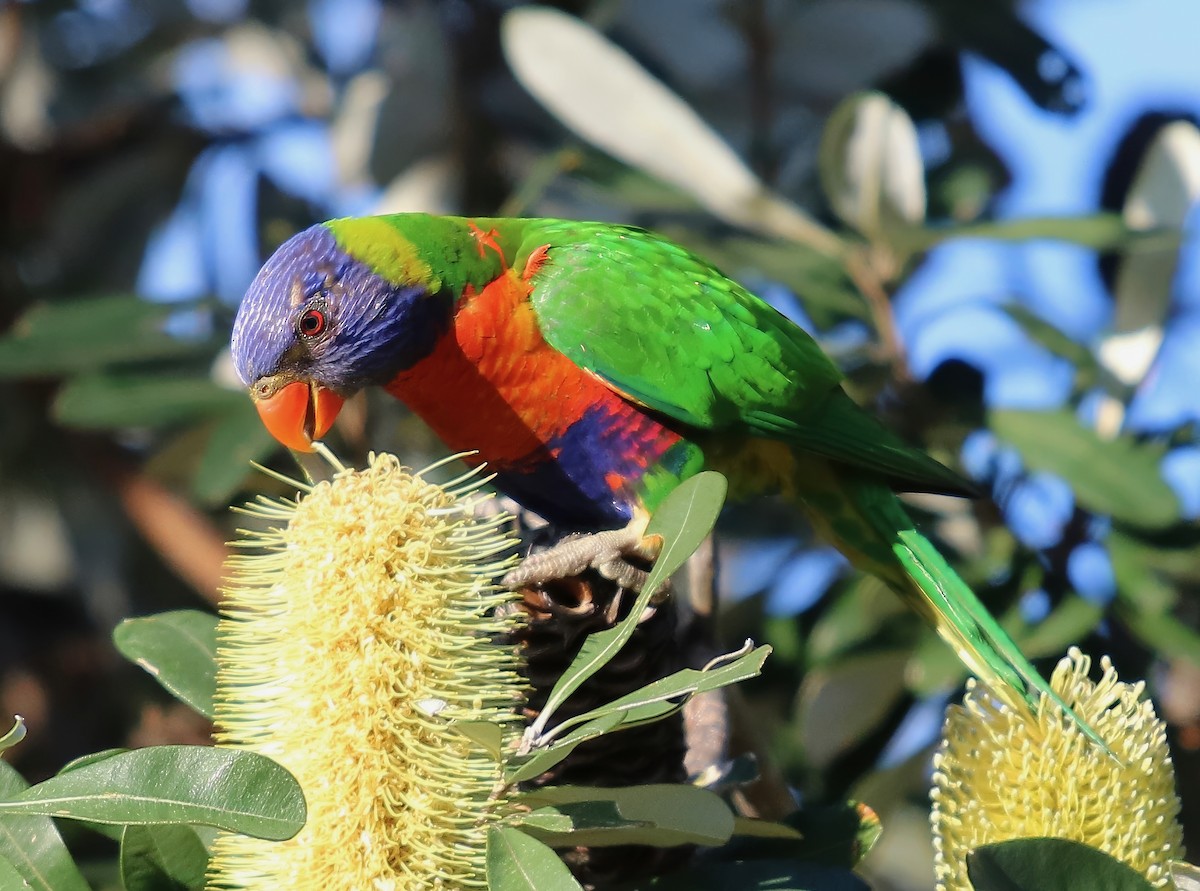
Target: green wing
(666,329)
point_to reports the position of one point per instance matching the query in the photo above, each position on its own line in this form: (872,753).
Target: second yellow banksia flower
(1004,773)
(362,625)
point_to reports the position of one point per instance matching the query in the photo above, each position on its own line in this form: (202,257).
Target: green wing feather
(664,328)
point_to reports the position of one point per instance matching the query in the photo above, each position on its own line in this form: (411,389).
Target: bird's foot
(609,553)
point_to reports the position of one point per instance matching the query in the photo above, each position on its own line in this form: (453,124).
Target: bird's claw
(608,552)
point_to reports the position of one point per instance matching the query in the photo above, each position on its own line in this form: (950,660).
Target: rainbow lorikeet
(593,367)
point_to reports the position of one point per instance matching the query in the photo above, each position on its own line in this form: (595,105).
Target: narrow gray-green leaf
(517,862)
(684,520)
(485,734)
(179,648)
(108,400)
(544,759)
(661,814)
(10,878)
(14,735)
(1117,476)
(32,847)
(162,858)
(238,439)
(1049,864)
(870,165)
(547,819)
(72,336)
(239,791)
(586,82)
(683,683)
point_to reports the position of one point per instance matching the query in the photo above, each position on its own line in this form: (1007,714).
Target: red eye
(312,323)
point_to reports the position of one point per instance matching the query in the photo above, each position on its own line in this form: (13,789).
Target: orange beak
(299,413)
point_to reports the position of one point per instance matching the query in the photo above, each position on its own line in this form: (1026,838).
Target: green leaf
(747,827)
(684,520)
(516,862)
(239,791)
(14,735)
(585,81)
(31,847)
(180,649)
(870,164)
(662,815)
(1161,633)
(10,878)
(1119,476)
(873,682)
(667,694)
(162,858)
(836,834)
(485,734)
(1069,622)
(238,439)
(1049,864)
(1099,231)
(73,336)
(548,819)
(105,401)
(544,759)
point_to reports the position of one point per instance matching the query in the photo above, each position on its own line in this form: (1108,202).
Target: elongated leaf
(239,791)
(870,164)
(485,734)
(547,819)
(544,759)
(684,520)
(162,858)
(517,862)
(1101,231)
(180,649)
(1119,476)
(238,439)
(81,335)
(874,682)
(745,827)
(1186,876)
(586,82)
(646,703)
(14,735)
(1049,864)
(10,878)
(662,815)
(1162,193)
(108,400)
(31,847)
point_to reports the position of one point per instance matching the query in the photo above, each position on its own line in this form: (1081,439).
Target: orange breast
(493,384)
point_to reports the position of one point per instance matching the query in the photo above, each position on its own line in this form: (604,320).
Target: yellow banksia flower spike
(1003,773)
(363,622)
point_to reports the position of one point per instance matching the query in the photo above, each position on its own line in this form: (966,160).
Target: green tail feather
(984,647)
(869,524)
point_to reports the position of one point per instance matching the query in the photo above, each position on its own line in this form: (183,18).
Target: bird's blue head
(318,323)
